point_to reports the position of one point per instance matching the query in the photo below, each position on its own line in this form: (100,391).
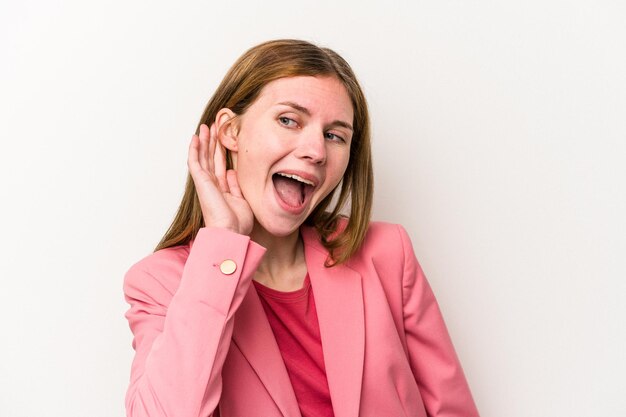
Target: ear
(227,128)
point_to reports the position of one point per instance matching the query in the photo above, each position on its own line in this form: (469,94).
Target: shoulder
(378,229)
(386,239)
(157,273)
(386,261)
(382,240)
(386,245)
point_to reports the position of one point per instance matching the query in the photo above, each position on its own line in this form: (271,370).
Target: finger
(233,183)
(203,152)
(219,162)
(211,152)
(192,159)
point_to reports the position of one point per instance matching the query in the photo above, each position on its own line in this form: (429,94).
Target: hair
(240,87)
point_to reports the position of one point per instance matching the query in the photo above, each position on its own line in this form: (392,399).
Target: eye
(286,121)
(333,137)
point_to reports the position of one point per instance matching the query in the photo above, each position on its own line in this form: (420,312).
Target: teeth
(297,178)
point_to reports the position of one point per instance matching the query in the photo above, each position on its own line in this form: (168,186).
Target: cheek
(252,171)
(341,167)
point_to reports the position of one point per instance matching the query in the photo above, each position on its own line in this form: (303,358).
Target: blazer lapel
(339,302)
(254,337)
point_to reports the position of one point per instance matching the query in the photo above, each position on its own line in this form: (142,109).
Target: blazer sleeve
(437,370)
(182,335)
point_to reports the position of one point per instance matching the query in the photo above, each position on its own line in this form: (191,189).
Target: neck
(283,267)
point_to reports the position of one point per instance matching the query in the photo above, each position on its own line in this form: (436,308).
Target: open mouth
(292,189)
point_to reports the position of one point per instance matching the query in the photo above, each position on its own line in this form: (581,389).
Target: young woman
(262,299)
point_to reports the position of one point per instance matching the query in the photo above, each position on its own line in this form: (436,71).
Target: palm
(223,205)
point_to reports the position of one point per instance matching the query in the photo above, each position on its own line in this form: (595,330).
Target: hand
(218,190)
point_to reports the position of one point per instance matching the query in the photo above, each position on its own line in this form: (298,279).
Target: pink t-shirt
(293,319)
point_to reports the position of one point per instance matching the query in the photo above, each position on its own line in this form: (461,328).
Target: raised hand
(220,197)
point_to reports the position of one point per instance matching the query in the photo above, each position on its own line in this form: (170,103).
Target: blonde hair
(240,88)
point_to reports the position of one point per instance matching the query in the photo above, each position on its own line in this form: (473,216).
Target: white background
(499,143)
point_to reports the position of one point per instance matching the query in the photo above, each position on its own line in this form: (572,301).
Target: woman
(262,299)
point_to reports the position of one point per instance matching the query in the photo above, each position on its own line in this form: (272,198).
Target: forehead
(322,96)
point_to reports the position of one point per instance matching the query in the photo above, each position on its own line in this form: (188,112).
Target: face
(292,149)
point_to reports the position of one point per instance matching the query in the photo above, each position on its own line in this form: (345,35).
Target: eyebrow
(306,111)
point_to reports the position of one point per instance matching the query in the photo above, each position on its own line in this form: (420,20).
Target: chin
(278,227)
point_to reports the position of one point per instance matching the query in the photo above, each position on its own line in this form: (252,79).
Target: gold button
(228,267)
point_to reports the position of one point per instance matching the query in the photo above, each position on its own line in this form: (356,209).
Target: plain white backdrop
(499,143)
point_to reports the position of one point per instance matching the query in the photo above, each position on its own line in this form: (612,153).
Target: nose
(312,147)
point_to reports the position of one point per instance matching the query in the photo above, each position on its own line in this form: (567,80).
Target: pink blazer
(203,345)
